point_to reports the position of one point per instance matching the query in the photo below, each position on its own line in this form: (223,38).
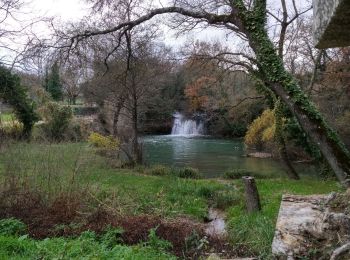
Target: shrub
(239,173)
(188,173)
(112,237)
(104,142)
(158,170)
(262,130)
(57,119)
(236,173)
(16,95)
(12,227)
(157,243)
(12,129)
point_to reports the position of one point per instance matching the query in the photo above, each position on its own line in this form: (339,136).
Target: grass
(6,117)
(53,168)
(87,246)
(255,232)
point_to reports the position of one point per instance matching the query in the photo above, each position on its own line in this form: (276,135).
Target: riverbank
(128,196)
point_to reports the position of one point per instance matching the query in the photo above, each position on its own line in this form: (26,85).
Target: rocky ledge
(313,227)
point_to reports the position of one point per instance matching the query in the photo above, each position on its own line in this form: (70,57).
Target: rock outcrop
(313,227)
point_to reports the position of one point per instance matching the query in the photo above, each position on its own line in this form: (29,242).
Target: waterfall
(183,126)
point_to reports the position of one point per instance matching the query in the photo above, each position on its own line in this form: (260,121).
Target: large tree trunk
(274,75)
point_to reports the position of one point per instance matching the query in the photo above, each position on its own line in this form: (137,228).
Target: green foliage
(86,246)
(225,198)
(112,237)
(238,129)
(7,117)
(185,173)
(12,227)
(272,70)
(195,241)
(50,169)
(189,173)
(236,173)
(57,119)
(155,242)
(53,83)
(12,92)
(158,170)
(220,198)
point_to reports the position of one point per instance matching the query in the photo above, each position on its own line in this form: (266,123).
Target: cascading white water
(183,126)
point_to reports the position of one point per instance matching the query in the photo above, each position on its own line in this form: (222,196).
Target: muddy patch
(69,217)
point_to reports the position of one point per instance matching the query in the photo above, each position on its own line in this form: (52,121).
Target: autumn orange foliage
(196,92)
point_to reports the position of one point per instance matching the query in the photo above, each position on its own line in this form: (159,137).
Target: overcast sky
(66,9)
(74,10)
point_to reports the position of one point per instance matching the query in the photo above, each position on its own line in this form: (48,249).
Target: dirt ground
(67,216)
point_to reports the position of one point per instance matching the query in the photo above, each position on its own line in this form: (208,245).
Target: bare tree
(247,19)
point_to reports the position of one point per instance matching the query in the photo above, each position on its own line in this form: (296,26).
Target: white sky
(67,10)
(74,10)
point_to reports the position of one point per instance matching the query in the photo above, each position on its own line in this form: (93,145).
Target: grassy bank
(53,168)
(59,169)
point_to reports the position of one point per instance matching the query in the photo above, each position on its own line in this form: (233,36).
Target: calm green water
(211,156)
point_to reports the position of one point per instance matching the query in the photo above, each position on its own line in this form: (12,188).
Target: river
(210,155)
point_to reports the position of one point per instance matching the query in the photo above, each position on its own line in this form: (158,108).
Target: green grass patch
(234,174)
(254,232)
(86,246)
(7,117)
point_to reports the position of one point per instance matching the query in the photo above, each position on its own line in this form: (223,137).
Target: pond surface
(211,156)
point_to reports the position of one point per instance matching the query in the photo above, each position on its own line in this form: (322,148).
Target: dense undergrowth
(16,244)
(61,191)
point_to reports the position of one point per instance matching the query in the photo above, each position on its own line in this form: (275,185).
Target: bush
(158,170)
(188,173)
(157,243)
(104,142)
(262,130)
(11,129)
(239,173)
(57,119)
(112,237)
(12,227)
(13,93)
(236,174)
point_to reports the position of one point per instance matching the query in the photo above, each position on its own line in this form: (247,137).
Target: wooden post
(251,194)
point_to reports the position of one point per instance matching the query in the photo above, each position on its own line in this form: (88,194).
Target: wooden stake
(251,194)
